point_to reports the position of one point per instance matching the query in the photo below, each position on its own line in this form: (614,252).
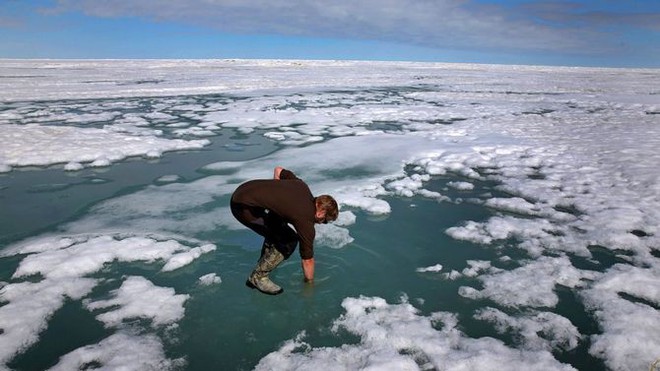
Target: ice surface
(628,339)
(396,337)
(543,330)
(34,145)
(120,351)
(209,279)
(573,153)
(27,307)
(531,285)
(63,263)
(432,268)
(139,298)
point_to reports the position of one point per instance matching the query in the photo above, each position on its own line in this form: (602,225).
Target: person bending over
(268,206)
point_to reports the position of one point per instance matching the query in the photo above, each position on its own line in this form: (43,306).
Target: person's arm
(306,234)
(277,172)
(308,269)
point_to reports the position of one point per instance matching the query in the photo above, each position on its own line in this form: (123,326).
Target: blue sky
(610,33)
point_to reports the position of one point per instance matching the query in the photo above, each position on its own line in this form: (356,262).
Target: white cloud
(454,24)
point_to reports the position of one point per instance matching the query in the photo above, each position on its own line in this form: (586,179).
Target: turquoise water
(529,186)
(230,327)
(37,199)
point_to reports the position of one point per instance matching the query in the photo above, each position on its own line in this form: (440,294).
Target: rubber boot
(270,259)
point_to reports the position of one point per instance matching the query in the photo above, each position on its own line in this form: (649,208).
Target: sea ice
(573,153)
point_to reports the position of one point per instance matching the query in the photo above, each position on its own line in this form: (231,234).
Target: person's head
(326,209)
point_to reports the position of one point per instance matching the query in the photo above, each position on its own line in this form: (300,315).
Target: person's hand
(308,288)
(276,172)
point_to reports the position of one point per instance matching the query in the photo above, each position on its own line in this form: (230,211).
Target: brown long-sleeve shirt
(290,198)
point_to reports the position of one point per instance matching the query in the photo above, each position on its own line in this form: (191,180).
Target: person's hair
(327,203)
